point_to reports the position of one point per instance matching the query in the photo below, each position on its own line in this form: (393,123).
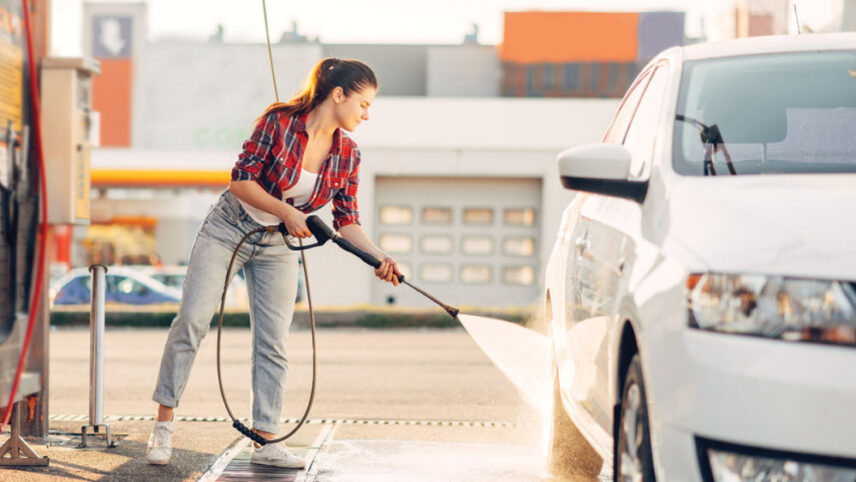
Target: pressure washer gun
(323,233)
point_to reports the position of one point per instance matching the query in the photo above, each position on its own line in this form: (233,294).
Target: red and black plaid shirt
(272,157)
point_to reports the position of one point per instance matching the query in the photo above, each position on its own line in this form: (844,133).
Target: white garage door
(467,241)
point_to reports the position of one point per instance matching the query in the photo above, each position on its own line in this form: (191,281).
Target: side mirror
(601,169)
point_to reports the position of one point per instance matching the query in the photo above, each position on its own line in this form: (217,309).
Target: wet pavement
(375,450)
(395,460)
(391,405)
(392,450)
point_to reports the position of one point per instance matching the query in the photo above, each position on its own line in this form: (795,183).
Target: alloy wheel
(633,434)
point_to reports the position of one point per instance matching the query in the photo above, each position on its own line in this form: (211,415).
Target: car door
(584,328)
(74,292)
(603,249)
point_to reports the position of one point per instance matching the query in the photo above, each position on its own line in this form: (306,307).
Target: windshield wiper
(713,143)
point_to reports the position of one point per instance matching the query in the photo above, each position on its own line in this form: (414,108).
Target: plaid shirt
(272,157)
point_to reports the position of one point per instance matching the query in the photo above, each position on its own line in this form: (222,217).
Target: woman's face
(353,109)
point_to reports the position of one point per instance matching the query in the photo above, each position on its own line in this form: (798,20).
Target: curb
(324,318)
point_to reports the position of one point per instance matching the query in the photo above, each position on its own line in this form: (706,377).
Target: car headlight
(731,463)
(773,306)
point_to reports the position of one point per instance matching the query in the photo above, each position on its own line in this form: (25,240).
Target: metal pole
(96,358)
(96,345)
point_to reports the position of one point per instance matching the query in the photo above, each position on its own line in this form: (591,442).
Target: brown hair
(329,73)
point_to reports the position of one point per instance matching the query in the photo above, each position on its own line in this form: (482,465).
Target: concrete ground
(409,404)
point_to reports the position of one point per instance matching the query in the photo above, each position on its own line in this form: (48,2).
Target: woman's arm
(254,195)
(355,234)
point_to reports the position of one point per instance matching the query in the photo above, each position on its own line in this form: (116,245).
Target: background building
(582,54)
(459,180)
(750,18)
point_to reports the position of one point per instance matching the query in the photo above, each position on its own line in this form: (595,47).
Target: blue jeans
(270,269)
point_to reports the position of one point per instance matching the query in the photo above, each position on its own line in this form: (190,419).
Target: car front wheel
(633,460)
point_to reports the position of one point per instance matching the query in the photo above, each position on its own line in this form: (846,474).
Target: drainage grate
(311,421)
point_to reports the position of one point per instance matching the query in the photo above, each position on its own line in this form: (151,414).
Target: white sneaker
(160,444)
(277,455)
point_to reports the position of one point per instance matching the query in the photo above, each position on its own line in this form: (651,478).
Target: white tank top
(300,193)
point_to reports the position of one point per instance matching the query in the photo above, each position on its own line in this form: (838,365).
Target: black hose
(235,422)
(322,233)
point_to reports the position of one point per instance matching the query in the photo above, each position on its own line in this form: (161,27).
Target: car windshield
(767,114)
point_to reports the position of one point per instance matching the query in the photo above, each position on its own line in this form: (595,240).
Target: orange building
(581,54)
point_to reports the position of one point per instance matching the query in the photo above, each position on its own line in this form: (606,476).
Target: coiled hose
(239,426)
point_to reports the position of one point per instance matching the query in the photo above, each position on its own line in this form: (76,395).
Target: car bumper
(772,396)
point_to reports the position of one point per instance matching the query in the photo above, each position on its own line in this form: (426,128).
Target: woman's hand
(388,270)
(295,221)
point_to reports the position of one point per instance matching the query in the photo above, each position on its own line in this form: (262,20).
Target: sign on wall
(112,36)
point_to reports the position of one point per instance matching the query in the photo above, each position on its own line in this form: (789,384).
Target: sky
(380,21)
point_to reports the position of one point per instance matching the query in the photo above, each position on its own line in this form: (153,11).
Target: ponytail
(329,73)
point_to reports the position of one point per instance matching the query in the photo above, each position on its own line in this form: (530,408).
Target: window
(518,246)
(436,244)
(595,72)
(436,215)
(435,272)
(520,217)
(477,245)
(171,280)
(128,286)
(478,216)
(614,71)
(396,243)
(779,113)
(396,215)
(518,275)
(548,76)
(641,134)
(530,81)
(618,127)
(572,77)
(476,274)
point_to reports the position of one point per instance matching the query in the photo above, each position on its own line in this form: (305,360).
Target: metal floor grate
(240,468)
(311,421)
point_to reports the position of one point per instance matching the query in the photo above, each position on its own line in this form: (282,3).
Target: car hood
(795,225)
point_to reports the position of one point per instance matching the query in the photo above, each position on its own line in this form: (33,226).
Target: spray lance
(322,233)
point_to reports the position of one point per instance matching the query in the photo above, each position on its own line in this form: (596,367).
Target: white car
(173,277)
(701,294)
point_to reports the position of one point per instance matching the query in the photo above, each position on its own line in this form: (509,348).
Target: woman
(296,161)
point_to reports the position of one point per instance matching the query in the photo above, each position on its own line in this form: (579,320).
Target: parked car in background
(701,294)
(173,276)
(236,297)
(144,284)
(122,285)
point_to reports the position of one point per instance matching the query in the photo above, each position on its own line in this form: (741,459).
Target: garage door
(469,241)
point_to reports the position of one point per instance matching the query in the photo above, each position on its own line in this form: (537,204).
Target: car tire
(571,456)
(633,458)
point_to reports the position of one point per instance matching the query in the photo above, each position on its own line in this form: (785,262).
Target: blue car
(123,285)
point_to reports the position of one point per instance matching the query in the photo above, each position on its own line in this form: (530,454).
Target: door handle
(581,244)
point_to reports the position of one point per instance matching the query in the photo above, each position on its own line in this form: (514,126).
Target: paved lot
(426,403)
